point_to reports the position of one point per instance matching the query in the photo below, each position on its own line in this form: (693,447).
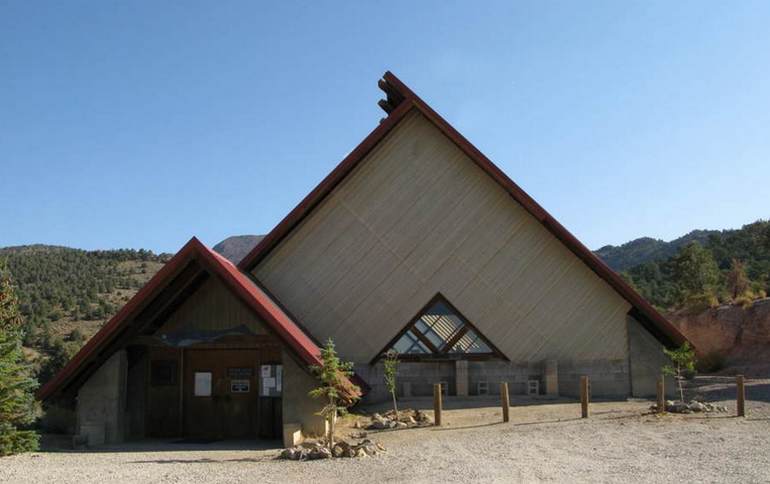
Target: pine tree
(695,273)
(737,281)
(331,373)
(16,386)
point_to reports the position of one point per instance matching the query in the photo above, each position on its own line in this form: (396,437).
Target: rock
(319,452)
(401,425)
(411,421)
(356,424)
(696,406)
(361,452)
(422,417)
(678,407)
(378,425)
(292,453)
(342,449)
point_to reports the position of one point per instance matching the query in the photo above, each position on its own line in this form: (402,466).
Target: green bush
(13,441)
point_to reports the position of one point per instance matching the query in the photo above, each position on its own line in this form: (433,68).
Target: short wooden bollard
(437,404)
(661,394)
(741,396)
(584,396)
(504,400)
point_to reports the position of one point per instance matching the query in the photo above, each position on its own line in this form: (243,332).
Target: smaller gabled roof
(240,284)
(400,101)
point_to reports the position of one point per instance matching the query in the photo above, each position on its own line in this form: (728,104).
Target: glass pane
(471,343)
(410,344)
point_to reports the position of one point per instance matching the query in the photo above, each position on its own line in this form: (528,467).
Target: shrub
(701,302)
(744,300)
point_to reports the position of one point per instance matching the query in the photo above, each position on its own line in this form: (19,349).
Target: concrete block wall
(494,372)
(608,378)
(646,359)
(297,406)
(418,377)
(101,403)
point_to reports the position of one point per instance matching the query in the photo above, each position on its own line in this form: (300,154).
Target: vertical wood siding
(418,217)
(212,307)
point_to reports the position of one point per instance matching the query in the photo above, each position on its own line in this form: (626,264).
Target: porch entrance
(231,394)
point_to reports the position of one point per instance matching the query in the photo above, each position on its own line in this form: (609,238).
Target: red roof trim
(411,100)
(238,282)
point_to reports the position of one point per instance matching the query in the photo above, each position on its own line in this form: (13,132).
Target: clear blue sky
(140,124)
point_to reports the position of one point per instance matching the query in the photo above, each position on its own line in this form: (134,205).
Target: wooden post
(584,396)
(437,404)
(661,394)
(181,391)
(504,400)
(741,396)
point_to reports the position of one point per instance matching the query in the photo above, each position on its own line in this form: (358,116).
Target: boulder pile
(693,406)
(318,449)
(404,419)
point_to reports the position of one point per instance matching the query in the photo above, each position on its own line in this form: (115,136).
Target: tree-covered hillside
(66,295)
(728,266)
(646,249)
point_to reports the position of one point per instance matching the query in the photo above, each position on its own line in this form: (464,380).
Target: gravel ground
(542,442)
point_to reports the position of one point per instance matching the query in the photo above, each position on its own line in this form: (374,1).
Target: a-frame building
(415,243)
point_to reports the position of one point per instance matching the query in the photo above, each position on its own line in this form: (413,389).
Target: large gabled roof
(239,283)
(402,100)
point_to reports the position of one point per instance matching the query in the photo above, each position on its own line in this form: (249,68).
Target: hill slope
(236,247)
(66,294)
(660,279)
(646,249)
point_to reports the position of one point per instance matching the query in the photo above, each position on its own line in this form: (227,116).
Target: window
(202,384)
(439,330)
(163,373)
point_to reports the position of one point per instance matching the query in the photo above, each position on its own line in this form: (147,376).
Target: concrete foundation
(609,378)
(461,378)
(646,359)
(101,403)
(298,407)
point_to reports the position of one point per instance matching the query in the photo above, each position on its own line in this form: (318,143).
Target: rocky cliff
(740,335)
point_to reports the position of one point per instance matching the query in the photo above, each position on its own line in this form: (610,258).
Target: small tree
(16,386)
(737,281)
(695,273)
(391,369)
(332,374)
(682,360)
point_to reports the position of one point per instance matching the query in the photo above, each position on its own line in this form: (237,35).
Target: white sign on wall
(202,384)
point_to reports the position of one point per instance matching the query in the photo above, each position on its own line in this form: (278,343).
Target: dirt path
(541,443)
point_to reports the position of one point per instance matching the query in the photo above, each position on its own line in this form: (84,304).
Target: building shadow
(63,444)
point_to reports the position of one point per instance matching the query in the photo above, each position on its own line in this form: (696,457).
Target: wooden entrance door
(220,393)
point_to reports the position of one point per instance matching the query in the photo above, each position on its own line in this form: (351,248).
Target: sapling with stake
(682,360)
(391,370)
